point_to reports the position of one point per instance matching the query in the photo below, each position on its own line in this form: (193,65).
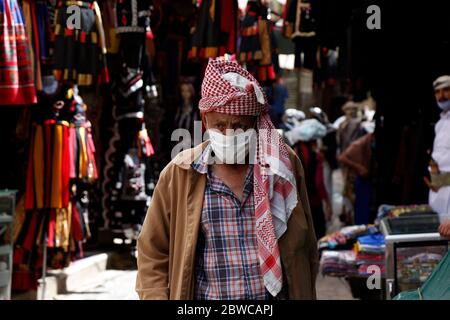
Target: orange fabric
(56,167)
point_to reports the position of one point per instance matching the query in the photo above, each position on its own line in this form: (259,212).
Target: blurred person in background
(439,198)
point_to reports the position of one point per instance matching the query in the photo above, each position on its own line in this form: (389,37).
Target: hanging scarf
(228,88)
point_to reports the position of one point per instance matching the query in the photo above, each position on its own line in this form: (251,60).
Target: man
(439,198)
(349,129)
(217,229)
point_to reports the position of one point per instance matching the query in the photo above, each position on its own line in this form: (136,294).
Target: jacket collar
(185,158)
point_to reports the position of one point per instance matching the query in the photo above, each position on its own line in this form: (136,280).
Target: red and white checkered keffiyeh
(274,185)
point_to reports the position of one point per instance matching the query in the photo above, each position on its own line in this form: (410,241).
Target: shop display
(125,187)
(301,27)
(216,29)
(16,66)
(80,54)
(338,263)
(345,238)
(61,167)
(413,246)
(255,50)
(370,252)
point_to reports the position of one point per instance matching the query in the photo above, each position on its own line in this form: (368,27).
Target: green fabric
(436,287)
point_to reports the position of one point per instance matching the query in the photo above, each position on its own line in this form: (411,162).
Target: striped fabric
(227,264)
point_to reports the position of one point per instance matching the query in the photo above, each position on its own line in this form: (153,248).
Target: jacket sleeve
(313,252)
(153,245)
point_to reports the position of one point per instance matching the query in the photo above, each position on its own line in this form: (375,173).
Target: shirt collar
(202,167)
(201,164)
(445,114)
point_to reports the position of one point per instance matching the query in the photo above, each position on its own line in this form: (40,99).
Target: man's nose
(440,95)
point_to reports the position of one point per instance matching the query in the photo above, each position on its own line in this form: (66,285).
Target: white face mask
(444,105)
(232,149)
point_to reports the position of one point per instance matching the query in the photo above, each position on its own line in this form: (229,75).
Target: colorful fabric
(80,54)
(274,185)
(216,29)
(16,65)
(255,46)
(227,266)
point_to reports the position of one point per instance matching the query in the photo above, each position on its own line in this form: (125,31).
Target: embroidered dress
(80,54)
(16,66)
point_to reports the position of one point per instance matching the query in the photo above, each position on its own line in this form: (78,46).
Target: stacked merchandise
(338,263)
(255,46)
(345,238)
(216,29)
(370,252)
(349,251)
(61,167)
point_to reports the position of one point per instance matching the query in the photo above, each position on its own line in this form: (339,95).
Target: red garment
(65,168)
(77,231)
(228,23)
(51,229)
(48,141)
(72,143)
(16,66)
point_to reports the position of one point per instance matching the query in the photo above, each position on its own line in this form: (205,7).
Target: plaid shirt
(227,262)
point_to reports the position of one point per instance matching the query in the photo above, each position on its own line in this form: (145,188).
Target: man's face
(186,92)
(351,113)
(223,122)
(442,94)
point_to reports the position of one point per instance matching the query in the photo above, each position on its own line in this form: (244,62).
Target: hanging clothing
(61,164)
(16,64)
(216,29)
(255,44)
(37,15)
(80,54)
(301,26)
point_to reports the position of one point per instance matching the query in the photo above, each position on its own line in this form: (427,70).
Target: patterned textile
(216,29)
(16,65)
(255,46)
(274,185)
(80,55)
(227,266)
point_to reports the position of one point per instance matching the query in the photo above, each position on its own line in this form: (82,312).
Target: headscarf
(228,88)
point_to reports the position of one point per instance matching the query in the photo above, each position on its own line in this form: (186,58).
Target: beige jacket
(167,242)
